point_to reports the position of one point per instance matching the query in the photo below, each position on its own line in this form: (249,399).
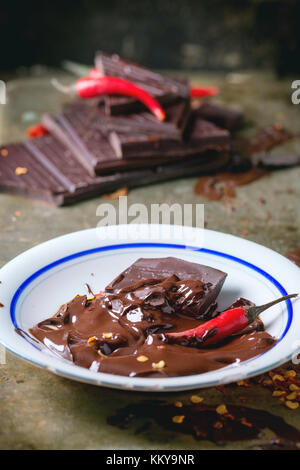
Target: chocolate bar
(222,116)
(177,116)
(45,169)
(68,130)
(22,175)
(146,270)
(204,135)
(163,87)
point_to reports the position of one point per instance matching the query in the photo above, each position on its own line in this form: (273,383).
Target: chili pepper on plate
(226,324)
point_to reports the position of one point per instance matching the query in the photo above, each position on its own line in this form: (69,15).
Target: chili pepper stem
(63,88)
(253,312)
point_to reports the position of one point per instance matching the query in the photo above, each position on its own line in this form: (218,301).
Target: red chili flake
(243,398)
(1,305)
(221,389)
(39,130)
(4,152)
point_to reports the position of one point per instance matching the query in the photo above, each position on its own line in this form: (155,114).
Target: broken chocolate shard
(37,182)
(204,135)
(147,269)
(222,116)
(177,116)
(274,161)
(166,89)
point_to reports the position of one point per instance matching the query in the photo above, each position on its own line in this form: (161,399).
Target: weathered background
(191,34)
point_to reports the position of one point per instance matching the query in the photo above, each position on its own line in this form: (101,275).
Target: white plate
(38,281)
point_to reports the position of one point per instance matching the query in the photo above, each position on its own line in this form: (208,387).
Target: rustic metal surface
(39,410)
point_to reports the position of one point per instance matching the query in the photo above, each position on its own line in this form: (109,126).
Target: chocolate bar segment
(222,116)
(22,174)
(163,87)
(147,270)
(177,116)
(204,135)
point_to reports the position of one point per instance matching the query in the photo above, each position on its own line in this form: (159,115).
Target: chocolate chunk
(147,269)
(222,116)
(274,161)
(204,135)
(177,116)
(163,87)
(35,181)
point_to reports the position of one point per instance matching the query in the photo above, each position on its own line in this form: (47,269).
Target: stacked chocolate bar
(97,146)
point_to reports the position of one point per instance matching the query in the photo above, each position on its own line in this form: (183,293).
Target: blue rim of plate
(100,249)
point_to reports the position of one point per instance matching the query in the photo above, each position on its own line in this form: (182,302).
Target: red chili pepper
(201,92)
(89,87)
(37,130)
(226,324)
(95,73)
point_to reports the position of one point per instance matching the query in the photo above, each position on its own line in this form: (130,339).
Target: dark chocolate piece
(163,87)
(147,269)
(222,116)
(21,174)
(177,116)
(90,146)
(203,136)
(275,161)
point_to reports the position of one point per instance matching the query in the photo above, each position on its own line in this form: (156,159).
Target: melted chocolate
(204,423)
(122,332)
(222,185)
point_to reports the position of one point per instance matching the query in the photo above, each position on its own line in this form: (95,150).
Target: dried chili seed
(178,404)
(221,409)
(142,358)
(196,399)
(21,171)
(158,365)
(178,419)
(290,373)
(218,425)
(293,405)
(246,423)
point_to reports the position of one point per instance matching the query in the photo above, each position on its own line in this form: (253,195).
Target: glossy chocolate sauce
(122,332)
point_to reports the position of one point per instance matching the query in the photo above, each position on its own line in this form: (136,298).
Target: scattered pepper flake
(292,396)
(4,152)
(21,171)
(158,365)
(278,377)
(142,358)
(17,213)
(107,335)
(290,373)
(221,389)
(116,194)
(178,419)
(218,425)
(292,405)
(246,423)
(1,305)
(196,399)
(92,340)
(178,404)
(221,409)
(278,393)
